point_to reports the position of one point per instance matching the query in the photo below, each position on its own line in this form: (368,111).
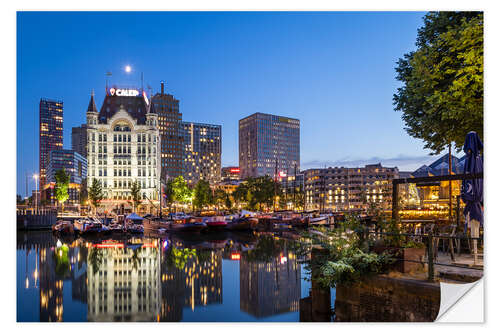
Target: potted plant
(408,253)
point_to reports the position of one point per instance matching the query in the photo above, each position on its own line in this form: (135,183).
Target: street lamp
(35,177)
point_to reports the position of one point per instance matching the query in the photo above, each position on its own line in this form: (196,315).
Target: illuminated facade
(123,146)
(343,189)
(202,152)
(51,132)
(230,173)
(171,140)
(270,288)
(125,286)
(266,143)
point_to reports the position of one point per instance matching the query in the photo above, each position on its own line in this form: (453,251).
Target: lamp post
(35,177)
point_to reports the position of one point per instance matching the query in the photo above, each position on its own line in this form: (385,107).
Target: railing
(429,237)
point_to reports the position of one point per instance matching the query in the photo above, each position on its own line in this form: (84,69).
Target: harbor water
(219,277)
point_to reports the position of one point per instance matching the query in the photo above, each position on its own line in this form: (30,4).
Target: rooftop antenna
(108,75)
(142,81)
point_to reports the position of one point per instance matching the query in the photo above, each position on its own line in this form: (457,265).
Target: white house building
(123,146)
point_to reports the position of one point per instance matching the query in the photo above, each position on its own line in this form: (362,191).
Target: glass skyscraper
(268,145)
(171,139)
(51,132)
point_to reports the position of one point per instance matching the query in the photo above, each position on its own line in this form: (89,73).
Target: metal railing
(429,237)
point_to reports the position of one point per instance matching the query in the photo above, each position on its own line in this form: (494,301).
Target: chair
(448,231)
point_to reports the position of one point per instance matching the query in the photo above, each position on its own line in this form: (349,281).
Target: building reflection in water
(123,283)
(189,278)
(270,279)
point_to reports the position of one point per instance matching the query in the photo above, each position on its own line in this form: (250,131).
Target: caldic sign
(123,92)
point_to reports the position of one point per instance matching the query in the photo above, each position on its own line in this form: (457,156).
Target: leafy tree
(202,194)
(62,185)
(181,193)
(135,189)
(19,200)
(442,94)
(221,197)
(257,192)
(169,193)
(84,194)
(96,193)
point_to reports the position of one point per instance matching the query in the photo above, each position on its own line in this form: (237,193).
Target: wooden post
(430,257)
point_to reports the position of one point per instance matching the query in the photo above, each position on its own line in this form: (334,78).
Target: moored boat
(242,223)
(151,223)
(187,226)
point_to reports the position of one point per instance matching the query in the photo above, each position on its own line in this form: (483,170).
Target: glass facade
(202,152)
(51,133)
(268,143)
(171,140)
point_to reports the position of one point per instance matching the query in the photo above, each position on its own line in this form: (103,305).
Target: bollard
(430,257)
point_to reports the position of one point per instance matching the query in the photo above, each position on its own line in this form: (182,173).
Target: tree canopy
(96,194)
(179,191)
(62,185)
(135,189)
(257,192)
(442,93)
(203,195)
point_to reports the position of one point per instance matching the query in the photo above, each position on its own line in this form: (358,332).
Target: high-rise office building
(202,152)
(73,163)
(123,146)
(51,132)
(268,145)
(171,140)
(79,139)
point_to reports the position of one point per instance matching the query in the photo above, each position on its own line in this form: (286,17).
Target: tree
(84,194)
(96,193)
(169,193)
(135,190)
(257,192)
(62,185)
(202,194)
(19,200)
(442,94)
(181,193)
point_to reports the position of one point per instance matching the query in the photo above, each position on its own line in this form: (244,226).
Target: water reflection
(153,279)
(269,279)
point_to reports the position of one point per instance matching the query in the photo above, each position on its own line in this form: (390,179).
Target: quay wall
(386,299)
(29,219)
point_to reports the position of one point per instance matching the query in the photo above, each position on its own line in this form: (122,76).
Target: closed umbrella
(472,189)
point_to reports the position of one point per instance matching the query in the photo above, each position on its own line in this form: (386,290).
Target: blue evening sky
(334,71)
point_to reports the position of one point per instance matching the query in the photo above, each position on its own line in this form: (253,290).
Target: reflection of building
(169,122)
(51,132)
(195,282)
(202,152)
(75,166)
(349,188)
(265,140)
(123,146)
(79,139)
(51,287)
(123,284)
(270,288)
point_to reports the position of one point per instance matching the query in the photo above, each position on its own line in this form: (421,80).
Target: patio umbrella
(472,189)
